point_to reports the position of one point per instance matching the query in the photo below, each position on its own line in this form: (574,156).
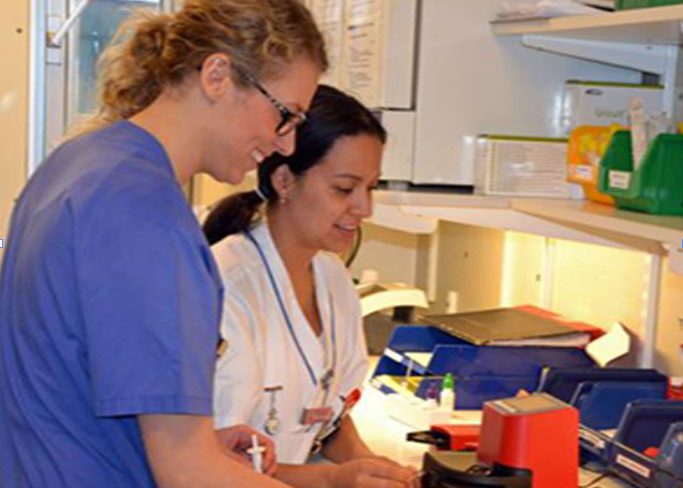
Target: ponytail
(234,214)
(151,51)
(132,74)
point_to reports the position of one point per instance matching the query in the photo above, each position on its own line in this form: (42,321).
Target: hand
(416,481)
(373,473)
(237,439)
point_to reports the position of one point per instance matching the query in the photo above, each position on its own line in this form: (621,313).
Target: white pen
(256,452)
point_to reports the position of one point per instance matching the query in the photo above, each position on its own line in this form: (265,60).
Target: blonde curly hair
(153,51)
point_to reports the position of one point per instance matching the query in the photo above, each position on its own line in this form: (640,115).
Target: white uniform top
(261,351)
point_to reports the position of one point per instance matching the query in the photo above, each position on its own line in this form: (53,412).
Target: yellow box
(587,144)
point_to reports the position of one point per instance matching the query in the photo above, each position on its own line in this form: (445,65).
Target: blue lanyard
(285,315)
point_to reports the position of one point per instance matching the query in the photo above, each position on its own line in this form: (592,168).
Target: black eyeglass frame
(289,120)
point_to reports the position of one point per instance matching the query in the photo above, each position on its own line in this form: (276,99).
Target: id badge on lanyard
(320,412)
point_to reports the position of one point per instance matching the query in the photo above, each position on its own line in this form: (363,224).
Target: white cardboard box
(595,103)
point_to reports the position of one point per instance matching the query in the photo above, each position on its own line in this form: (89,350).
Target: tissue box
(597,103)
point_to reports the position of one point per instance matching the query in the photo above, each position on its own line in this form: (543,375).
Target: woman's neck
(297,260)
(296,257)
(166,119)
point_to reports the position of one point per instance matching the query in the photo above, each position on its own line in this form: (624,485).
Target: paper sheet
(329,14)
(614,344)
(363,44)
(421,358)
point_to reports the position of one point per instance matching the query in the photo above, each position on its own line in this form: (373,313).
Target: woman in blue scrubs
(295,354)
(109,296)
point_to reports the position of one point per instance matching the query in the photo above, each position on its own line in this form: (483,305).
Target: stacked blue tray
(481,373)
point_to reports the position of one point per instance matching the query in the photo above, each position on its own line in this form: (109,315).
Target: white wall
(393,254)
(594,284)
(469,267)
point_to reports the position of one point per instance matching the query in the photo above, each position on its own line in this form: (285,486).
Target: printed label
(610,114)
(620,179)
(592,439)
(582,171)
(633,466)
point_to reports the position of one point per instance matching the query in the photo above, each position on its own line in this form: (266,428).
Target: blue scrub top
(109,308)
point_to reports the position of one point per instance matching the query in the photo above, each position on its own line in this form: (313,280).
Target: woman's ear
(215,77)
(283,181)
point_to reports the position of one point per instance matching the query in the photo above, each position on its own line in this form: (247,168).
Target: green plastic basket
(630,4)
(656,187)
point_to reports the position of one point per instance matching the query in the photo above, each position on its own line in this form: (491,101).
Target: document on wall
(329,14)
(364,50)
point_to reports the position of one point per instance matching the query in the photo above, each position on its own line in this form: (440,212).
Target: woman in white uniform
(295,354)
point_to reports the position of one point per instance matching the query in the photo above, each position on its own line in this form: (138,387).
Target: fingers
(391,471)
(391,462)
(226,437)
(270,470)
(417,480)
(236,436)
(269,460)
(369,481)
(269,454)
(237,440)
(383,473)
(237,456)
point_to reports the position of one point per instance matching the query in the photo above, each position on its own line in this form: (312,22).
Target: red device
(538,432)
(449,437)
(460,437)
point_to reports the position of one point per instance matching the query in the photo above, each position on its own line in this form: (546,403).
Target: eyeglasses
(289,120)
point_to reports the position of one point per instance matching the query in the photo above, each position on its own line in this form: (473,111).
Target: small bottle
(432,396)
(447,397)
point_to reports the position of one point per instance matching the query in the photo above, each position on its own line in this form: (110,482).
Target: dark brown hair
(332,116)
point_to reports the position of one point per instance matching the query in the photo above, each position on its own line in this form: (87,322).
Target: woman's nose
(363,207)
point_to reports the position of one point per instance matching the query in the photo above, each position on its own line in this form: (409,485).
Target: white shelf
(659,25)
(566,219)
(607,219)
(400,210)
(439,199)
